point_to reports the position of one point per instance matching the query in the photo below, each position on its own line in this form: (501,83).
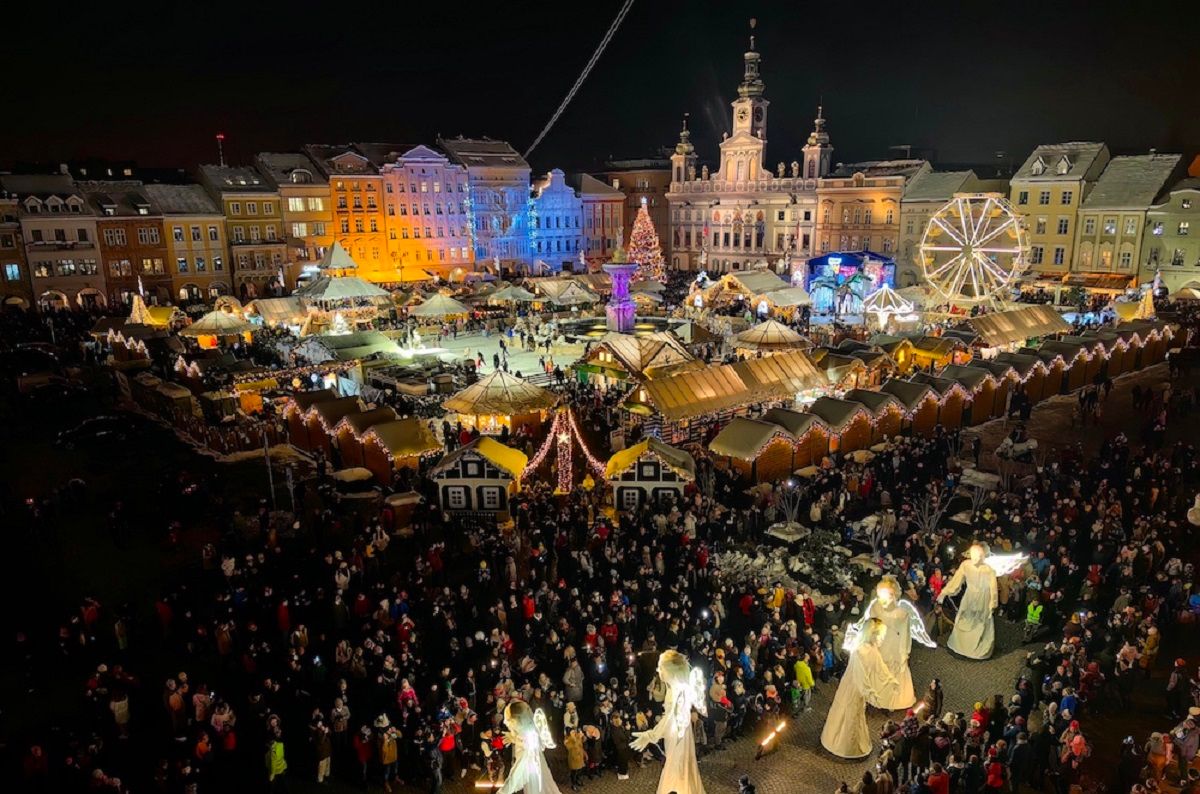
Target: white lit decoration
(562,431)
(974,247)
(885,302)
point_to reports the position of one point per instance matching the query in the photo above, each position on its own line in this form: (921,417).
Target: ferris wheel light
(973,248)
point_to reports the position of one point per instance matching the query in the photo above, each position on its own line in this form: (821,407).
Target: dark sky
(963,79)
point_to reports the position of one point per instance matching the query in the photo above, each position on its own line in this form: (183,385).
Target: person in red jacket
(939,780)
(364,751)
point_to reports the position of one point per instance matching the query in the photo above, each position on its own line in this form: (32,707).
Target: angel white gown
(974,632)
(867,679)
(903,623)
(529,770)
(680,772)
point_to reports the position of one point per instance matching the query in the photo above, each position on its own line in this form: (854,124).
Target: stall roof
(360,344)
(439,305)
(644,355)
(405,438)
(788,296)
(771,335)
(745,438)
(340,288)
(1011,327)
(500,394)
(511,460)
(940,385)
(1068,350)
(677,460)
(938,345)
(217,323)
(307,399)
(363,421)
(333,411)
(278,310)
(876,401)
(971,378)
(836,414)
(999,369)
(729,386)
(1023,363)
(909,393)
(756,282)
(795,422)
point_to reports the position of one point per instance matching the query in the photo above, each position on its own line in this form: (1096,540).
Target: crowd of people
(326,645)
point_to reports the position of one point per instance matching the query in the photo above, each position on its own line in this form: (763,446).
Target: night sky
(960,81)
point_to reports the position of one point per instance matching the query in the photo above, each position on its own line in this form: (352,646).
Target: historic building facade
(15,287)
(1047,191)
(604,218)
(129,230)
(194,233)
(305,208)
(253,227)
(859,205)
(556,223)
(499,199)
(58,229)
(649,179)
(745,212)
(356,187)
(1172,236)
(427,221)
(1112,219)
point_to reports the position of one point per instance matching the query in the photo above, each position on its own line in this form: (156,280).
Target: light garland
(562,432)
(565,463)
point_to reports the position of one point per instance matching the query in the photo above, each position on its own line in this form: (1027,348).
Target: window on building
(1130,226)
(374,225)
(1039,226)
(1035,255)
(1044,198)
(1089,226)
(177,234)
(1126,260)
(371,202)
(1023,197)
(60,235)
(315,204)
(235,208)
(218,264)
(318,228)
(1067,197)
(268,208)
(1060,255)
(1177,257)
(200,265)
(12,271)
(345,225)
(111,236)
(148,235)
(1185,203)
(36,235)
(889,217)
(1157,229)
(358,224)
(271,232)
(1064,224)
(181,264)
(1110,226)
(255,234)
(299,230)
(251,207)
(213,234)
(1184,228)
(295,204)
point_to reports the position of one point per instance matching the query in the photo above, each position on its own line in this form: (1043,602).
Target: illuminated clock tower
(742,152)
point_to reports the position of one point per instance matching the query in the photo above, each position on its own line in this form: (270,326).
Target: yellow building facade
(197,250)
(858,207)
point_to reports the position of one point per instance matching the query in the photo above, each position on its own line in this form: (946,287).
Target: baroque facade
(499,195)
(745,212)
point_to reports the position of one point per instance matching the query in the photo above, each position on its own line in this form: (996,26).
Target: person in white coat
(530,738)
(866,680)
(904,625)
(974,633)
(685,691)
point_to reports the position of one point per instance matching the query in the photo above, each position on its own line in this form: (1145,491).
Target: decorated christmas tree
(644,248)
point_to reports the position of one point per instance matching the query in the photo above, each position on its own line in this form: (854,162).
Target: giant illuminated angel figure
(530,737)
(904,625)
(866,680)
(685,691)
(974,633)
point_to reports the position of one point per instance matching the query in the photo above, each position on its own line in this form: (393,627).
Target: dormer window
(1039,167)
(301,177)
(33,205)
(1063,167)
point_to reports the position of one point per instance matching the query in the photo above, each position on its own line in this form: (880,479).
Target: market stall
(759,451)
(850,423)
(400,443)
(349,432)
(479,476)
(640,474)
(951,396)
(921,404)
(980,387)
(887,412)
(501,400)
(295,411)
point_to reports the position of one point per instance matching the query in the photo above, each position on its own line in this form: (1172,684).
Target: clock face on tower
(742,114)
(758,115)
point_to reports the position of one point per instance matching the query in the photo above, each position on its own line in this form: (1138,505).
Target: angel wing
(853,636)
(698,690)
(543,730)
(1004,564)
(916,625)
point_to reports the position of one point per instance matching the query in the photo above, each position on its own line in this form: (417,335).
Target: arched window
(301,176)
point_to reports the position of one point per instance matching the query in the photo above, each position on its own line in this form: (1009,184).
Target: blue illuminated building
(844,278)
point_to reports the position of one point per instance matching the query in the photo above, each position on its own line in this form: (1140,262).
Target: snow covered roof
(1132,182)
(1075,157)
(937,185)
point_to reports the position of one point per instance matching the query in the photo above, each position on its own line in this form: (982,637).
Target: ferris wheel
(974,247)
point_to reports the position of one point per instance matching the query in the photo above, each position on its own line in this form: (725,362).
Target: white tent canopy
(439,305)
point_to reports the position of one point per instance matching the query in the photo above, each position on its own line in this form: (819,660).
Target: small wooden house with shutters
(399,444)
(296,409)
(1116,347)
(980,387)
(850,423)
(348,434)
(935,352)
(624,360)
(921,404)
(887,412)
(952,396)
(759,451)
(323,417)
(1075,357)
(1156,338)
(1031,373)
(1006,382)
(480,476)
(811,437)
(647,471)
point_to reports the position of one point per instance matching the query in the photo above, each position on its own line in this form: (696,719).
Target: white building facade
(556,222)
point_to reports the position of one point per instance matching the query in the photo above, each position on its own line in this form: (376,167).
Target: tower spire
(752,84)
(685,139)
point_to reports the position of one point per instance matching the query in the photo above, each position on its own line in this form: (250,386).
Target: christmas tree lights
(644,248)
(563,431)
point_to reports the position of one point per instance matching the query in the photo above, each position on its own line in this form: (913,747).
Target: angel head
(873,632)
(518,717)
(673,668)
(978,552)
(888,591)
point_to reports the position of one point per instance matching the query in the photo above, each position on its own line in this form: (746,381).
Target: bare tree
(929,510)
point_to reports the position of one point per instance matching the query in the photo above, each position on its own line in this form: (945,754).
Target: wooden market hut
(900,349)
(401,443)
(323,417)
(1006,380)
(1097,355)
(887,412)
(811,437)
(931,353)
(295,411)
(921,404)
(501,400)
(980,387)
(952,398)
(1075,357)
(1009,330)
(758,451)
(841,371)
(624,360)
(1156,340)
(480,476)
(1119,353)
(1055,379)
(850,423)
(1031,373)
(648,470)
(348,435)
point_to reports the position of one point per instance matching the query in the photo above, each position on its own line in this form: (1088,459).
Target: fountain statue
(620,308)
